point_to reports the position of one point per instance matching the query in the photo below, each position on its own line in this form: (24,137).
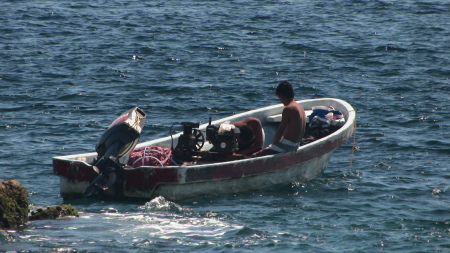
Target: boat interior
(219,145)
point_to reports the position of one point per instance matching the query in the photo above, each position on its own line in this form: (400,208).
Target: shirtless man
(292,126)
(251,138)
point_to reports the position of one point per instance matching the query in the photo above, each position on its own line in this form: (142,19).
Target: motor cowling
(223,138)
(121,137)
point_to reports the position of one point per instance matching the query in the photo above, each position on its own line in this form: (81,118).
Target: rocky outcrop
(14,207)
(53,212)
(13,204)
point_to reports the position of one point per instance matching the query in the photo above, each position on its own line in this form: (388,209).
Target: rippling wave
(69,68)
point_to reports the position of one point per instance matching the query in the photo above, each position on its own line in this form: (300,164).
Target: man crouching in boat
(292,125)
(251,137)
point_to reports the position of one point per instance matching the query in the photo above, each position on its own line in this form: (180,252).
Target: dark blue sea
(69,68)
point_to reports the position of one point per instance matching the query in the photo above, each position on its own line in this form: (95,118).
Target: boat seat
(277,118)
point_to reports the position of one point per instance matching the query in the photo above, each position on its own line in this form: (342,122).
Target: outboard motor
(116,142)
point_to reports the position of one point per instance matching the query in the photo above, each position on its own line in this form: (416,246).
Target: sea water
(69,68)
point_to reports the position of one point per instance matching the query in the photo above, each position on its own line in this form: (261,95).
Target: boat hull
(298,173)
(141,189)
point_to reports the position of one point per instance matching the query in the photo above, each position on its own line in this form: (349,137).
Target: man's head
(285,90)
(246,134)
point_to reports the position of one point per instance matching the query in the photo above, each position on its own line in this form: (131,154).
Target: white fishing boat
(202,170)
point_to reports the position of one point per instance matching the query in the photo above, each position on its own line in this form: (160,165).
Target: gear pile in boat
(322,122)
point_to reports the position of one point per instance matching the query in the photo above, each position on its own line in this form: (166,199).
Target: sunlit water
(68,68)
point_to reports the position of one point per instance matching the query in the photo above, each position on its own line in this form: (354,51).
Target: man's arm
(281,128)
(250,150)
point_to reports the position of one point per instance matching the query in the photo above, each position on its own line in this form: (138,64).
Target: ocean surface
(69,68)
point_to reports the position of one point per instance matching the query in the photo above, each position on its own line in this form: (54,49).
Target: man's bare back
(295,128)
(293,122)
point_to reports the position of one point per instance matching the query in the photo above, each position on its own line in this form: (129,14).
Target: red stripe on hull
(74,171)
(146,179)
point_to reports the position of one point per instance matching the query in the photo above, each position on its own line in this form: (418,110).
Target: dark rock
(15,209)
(53,212)
(13,204)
